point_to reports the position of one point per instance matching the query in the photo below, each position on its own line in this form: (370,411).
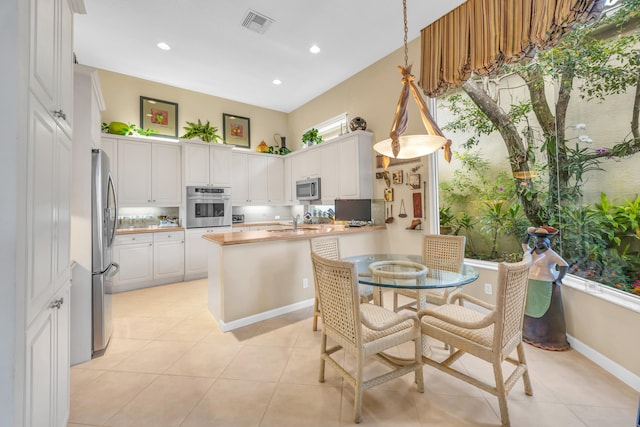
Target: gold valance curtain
(481,35)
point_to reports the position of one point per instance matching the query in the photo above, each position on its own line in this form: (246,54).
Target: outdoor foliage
(547,170)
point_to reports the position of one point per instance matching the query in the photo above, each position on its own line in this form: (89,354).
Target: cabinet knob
(57,303)
(60,114)
(150,244)
(133,238)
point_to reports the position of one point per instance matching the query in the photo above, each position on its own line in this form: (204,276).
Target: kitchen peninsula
(256,275)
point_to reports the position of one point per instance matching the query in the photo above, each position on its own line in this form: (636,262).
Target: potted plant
(446,220)
(205,132)
(311,137)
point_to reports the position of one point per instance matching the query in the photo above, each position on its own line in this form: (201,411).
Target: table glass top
(435,278)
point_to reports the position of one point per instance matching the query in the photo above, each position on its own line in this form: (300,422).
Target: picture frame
(388,194)
(414,181)
(417,205)
(397,176)
(236,130)
(159,115)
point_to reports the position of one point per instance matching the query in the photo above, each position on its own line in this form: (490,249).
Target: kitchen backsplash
(145,216)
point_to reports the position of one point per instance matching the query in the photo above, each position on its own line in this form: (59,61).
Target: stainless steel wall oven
(208,207)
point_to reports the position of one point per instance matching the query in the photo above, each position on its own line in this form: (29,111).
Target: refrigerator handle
(113,270)
(115,215)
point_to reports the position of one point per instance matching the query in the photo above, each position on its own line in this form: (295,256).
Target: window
(333,127)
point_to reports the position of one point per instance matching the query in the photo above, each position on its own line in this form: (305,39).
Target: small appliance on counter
(166,221)
(237,218)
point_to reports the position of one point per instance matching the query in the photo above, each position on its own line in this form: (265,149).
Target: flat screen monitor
(353,209)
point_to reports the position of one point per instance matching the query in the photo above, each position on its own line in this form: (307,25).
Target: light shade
(411,146)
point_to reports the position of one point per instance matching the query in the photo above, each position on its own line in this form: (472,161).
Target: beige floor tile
(539,414)
(146,328)
(296,405)
(81,379)
(232,403)
(597,416)
(381,408)
(103,397)
(258,363)
(117,350)
(205,360)
(307,338)
(281,336)
(443,411)
(190,330)
(166,402)
(303,367)
(155,357)
(79,425)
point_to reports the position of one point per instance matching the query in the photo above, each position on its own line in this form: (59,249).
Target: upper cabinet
(257,179)
(149,173)
(207,164)
(344,166)
(51,64)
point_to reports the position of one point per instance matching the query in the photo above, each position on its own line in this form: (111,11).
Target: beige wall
(122,98)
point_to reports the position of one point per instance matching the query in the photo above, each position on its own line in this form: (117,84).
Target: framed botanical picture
(397,176)
(160,116)
(236,130)
(388,194)
(417,205)
(414,181)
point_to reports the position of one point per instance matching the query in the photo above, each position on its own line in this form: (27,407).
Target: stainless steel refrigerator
(104,212)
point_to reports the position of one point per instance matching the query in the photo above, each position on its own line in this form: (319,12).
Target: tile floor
(168,364)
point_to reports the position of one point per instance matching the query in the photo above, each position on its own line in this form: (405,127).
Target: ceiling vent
(257,22)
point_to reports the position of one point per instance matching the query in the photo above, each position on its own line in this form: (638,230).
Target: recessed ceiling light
(277,82)
(163,46)
(314,49)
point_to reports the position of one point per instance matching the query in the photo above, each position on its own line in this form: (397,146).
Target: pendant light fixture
(411,146)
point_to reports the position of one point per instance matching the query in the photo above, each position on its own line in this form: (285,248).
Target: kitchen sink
(287,230)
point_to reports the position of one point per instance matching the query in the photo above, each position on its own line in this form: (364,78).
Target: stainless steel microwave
(308,189)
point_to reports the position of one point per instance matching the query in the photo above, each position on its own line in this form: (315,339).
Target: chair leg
(316,311)
(395,301)
(528,390)
(418,357)
(323,352)
(501,393)
(357,400)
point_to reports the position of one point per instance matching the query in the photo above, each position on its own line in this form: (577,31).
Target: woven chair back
(337,289)
(443,252)
(511,297)
(326,247)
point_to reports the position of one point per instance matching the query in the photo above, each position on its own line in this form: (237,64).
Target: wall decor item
(388,194)
(236,130)
(417,205)
(397,176)
(358,123)
(403,212)
(161,116)
(414,181)
(379,175)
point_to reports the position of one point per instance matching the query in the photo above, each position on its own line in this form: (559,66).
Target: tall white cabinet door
(65,67)
(43,79)
(41,209)
(166,185)
(40,362)
(347,169)
(258,179)
(239,179)
(196,164)
(62,215)
(62,380)
(275,184)
(219,166)
(328,172)
(134,173)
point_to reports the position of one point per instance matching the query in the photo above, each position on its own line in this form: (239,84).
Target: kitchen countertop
(305,231)
(147,229)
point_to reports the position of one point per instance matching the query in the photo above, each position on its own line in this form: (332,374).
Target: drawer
(129,239)
(168,236)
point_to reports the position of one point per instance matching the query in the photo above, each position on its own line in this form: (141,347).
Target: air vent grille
(256,22)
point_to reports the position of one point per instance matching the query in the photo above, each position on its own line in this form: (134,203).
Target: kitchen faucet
(295,221)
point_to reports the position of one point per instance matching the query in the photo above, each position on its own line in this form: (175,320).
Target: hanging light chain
(406,48)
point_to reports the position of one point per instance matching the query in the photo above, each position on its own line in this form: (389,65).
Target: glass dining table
(404,271)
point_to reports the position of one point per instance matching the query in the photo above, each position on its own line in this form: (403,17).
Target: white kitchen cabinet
(109,144)
(47,364)
(328,172)
(207,164)
(149,173)
(289,190)
(355,166)
(168,255)
(134,254)
(258,179)
(195,251)
(51,64)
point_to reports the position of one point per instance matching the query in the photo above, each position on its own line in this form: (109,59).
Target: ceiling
(211,52)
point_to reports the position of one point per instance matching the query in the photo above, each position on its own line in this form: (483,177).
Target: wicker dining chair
(329,247)
(491,337)
(361,329)
(440,252)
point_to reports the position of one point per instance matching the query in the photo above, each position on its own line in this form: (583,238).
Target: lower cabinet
(47,363)
(195,251)
(148,259)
